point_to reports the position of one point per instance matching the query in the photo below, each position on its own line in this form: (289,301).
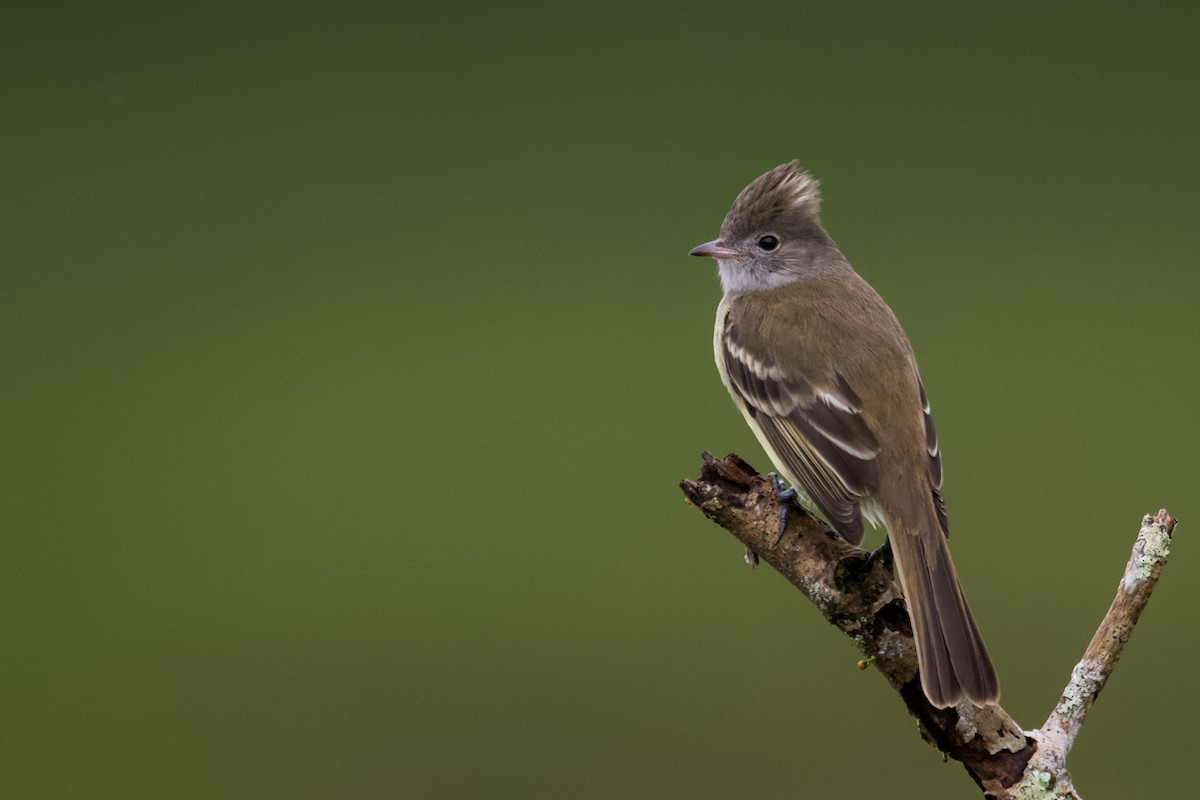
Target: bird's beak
(714,249)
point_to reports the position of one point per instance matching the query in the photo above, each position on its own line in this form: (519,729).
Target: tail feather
(953,659)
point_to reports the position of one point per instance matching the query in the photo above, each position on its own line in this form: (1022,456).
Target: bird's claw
(785,495)
(882,553)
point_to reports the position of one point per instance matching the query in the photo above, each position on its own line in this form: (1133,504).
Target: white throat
(745,276)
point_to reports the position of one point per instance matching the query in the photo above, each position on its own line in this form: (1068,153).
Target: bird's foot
(785,495)
(882,553)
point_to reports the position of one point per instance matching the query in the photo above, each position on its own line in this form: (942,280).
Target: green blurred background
(352,357)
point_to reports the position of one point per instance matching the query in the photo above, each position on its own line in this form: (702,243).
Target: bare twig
(1056,736)
(862,600)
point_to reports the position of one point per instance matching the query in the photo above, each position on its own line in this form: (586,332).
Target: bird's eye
(768,242)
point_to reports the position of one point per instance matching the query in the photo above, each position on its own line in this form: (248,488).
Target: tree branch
(1056,736)
(863,601)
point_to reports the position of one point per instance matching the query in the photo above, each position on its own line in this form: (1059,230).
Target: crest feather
(785,192)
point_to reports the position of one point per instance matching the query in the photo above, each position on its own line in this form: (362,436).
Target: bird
(825,376)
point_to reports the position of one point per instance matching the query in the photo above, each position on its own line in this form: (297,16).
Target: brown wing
(815,427)
(935,462)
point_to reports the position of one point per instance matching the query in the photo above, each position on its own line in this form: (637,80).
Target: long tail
(953,659)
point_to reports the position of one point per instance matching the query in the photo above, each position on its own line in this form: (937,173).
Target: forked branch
(862,600)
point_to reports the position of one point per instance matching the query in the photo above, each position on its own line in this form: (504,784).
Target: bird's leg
(785,495)
(882,553)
